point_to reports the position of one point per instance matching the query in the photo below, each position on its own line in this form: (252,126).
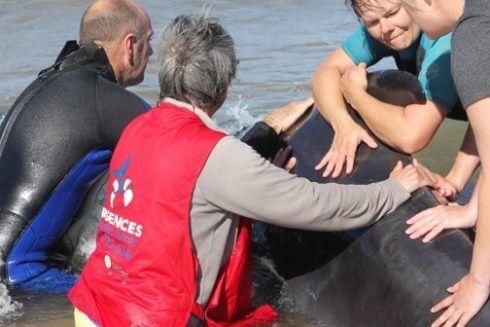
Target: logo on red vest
(122,188)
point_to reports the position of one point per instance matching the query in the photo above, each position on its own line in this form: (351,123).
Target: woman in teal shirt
(387,30)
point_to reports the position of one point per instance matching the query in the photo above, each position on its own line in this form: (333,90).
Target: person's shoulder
(443,41)
(236,150)
(359,34)
(476,9)
(360,46)
(118,95)
(436,47)
(231,143)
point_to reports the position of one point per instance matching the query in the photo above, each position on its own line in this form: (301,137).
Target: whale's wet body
(381,278)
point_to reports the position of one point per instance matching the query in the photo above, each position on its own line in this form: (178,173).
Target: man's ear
(129,42)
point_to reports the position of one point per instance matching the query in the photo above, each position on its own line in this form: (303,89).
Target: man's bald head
(106,22)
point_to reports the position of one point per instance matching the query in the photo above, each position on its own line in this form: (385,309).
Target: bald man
(57,139)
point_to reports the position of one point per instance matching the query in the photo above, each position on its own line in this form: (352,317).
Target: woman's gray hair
(196,60)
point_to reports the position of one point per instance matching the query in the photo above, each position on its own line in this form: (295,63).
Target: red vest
(144,269)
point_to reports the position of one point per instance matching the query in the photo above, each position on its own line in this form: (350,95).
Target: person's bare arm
(408,129)
(470,294)
(284,117)
(466,162)
(325,86)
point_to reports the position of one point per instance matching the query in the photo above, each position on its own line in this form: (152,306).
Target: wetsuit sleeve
(116,108)
(435,72)
(236,179)
(263,139)
(360,46)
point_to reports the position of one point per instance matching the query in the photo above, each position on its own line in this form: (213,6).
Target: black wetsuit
(55,141)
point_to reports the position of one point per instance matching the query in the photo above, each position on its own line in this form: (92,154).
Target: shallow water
(279,44)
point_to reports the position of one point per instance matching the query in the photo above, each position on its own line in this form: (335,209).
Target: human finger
(443,191)
(465,318)
(350,159)
(330,165)
(339,164)
(417,226)
(398,167)
(448,301)
(422,228)
(290,164)
(444,317)
(421,215)
(453,288)
(324,161)
(419,220)
(424,179)
(430,175)
(370,142)
(453,318)
(448,191)
(433,233)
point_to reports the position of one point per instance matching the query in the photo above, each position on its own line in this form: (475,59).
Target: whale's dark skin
(383,278)
(310,138)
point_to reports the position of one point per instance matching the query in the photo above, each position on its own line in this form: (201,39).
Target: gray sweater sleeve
(236,179)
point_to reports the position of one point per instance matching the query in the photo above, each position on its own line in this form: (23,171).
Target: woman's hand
(411,177)
(343,149)
(433,221)
(354,81)
(443,186)
(446,188)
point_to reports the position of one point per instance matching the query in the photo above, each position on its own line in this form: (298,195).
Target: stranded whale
(381,278)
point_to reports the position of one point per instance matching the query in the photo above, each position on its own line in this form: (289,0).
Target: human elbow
(411,144)
(322,74)
(316,76)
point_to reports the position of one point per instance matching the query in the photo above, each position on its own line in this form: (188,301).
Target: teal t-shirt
(433,70)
